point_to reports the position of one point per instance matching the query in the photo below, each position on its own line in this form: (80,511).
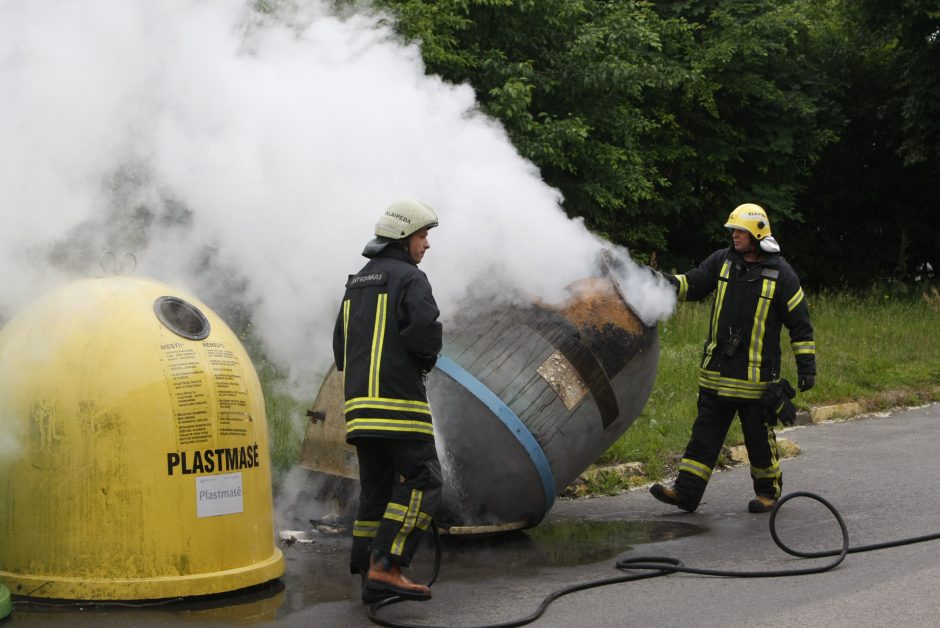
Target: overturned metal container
(524,399)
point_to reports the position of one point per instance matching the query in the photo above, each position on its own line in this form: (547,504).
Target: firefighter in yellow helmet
(756,293)
(387,338)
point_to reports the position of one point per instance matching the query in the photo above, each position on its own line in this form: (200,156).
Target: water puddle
(317,572)
(553,543)
(568,543)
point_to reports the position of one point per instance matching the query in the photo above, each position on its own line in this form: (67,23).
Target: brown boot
(761,504)
(669,495)
(386,577)
(372,596)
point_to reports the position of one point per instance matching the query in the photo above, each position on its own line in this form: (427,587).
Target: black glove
(777,405)
(806,382)
(425,363)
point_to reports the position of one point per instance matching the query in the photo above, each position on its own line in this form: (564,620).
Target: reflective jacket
(742,351)
(386,339)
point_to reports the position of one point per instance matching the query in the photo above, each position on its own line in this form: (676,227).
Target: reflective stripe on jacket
(386,338)
(742,351)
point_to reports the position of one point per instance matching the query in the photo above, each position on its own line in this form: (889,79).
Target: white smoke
(246,158)
(10,447)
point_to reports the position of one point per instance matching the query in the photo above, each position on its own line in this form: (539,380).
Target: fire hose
(655,566)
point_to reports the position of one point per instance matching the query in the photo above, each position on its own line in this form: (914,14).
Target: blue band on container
(479,390)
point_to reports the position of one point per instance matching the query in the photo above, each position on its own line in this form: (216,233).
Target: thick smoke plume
(246,156)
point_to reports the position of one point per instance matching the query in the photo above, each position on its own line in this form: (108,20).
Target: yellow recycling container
(134,460)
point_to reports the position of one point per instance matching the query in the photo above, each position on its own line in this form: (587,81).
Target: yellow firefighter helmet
(752,218)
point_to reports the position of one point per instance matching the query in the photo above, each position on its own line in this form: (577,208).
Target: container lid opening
(181,317)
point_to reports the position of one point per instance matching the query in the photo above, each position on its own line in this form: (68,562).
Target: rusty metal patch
(564,379)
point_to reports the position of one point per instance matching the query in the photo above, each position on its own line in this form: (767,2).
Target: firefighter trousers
(708,435)
(400,488)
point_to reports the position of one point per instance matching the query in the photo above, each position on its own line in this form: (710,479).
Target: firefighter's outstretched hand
(806,382)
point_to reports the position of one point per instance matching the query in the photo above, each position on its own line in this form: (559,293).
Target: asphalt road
(881,472)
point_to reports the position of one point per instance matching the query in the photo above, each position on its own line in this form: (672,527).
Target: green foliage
(871,204)
(874,342)
(912,30)
(569,80)
(285,416)
(754,120)
(655,119)
(285,413)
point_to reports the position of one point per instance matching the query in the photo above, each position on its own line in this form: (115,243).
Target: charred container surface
(526,398)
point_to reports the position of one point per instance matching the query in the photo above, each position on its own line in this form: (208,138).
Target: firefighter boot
(371,597)
(761,504)
(669,495)
(385,578)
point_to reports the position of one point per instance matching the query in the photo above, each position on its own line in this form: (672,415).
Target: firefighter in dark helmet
(386,340)
(756,293)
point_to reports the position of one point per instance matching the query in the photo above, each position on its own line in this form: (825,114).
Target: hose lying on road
(655,566)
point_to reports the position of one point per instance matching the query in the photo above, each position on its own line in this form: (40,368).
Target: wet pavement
(879,471)
(317,573)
